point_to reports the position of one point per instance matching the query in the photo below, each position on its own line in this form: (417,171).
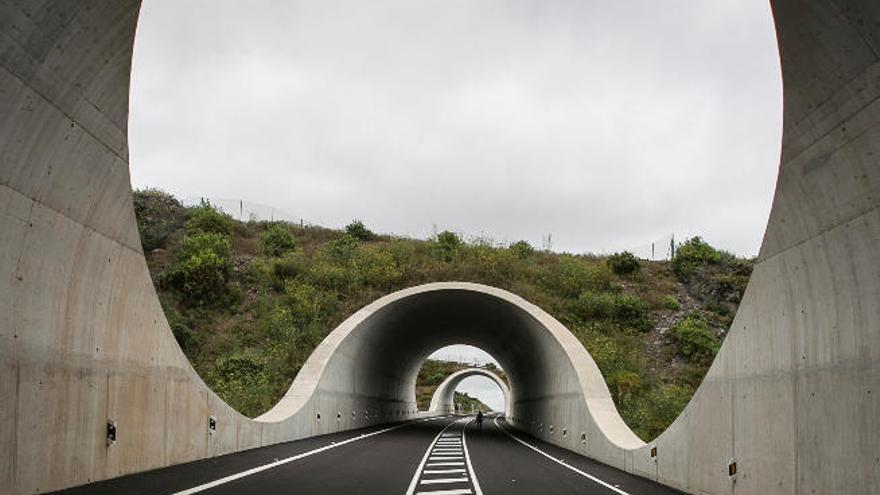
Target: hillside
(432,375)
(249,301)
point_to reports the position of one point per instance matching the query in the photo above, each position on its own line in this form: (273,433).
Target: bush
(573,275)
(447,246)
(522,249)
(671,302)
(695,339)
(625,309)
(286,267)
(202,267)
(276,240)
(691,255)
(158,215)
(207,219)
(359,231)
(623,263)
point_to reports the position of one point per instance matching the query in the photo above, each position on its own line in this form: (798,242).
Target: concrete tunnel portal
(790,401)
(371,361)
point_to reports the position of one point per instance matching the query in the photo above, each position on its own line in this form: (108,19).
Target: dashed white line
(563,463)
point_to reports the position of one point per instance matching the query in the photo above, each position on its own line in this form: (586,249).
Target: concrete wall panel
(792,395)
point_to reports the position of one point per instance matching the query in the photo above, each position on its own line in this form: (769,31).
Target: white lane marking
(459,491)
(415,480)
(443,480)
(563,463)
(467,456)
(264,467)
(437,452)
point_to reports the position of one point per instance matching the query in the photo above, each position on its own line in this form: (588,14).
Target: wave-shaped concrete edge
(791,397)
(442,402)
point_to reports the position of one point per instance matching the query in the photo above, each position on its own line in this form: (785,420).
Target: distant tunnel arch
(442,402)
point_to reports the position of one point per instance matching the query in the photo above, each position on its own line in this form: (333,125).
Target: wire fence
(244,211)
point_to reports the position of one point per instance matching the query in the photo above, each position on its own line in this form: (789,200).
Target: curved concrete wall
(792,396)
(443,400)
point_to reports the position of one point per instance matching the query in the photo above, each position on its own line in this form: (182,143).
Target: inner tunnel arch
(442,402)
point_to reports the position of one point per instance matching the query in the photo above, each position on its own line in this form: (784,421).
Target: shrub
(671,302)
(695,339)
(447,246)
(691,255)
(276,240)
(202,267)
(522,249)
(286,267)
(359,231)
(205,218)
(625,309)
(158,215)
(623,263)
(573,275)
(341,249)
(375,267)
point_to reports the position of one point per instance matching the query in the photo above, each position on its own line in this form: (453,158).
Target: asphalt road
(441,456)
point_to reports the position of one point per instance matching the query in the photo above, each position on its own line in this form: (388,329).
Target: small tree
(695,339)
(623,263)
(691,255)
(522,249)
(359,231)
(205,218)
(202,266)
(447,246)
(277,240)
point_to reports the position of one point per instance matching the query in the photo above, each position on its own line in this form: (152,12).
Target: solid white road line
(563,463)
(459,491)
(467,457)
(435,481)
(264,467)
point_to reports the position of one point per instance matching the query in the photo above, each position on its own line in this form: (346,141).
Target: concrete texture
(792,396)
(443,400)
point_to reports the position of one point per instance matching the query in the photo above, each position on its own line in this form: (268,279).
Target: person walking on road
(480,420)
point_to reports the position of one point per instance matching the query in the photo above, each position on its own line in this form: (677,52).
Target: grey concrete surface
(443,400)
(792,396)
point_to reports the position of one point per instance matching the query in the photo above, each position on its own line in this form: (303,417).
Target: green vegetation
(249,301)
(695,339)
(623,263)
(276,240)
(359,231)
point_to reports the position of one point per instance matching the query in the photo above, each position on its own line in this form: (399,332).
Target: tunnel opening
(478,387)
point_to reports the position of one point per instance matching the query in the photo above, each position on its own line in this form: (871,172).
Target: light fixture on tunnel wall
(354,416)
(212,425)
(318,417)
(654,452)
(338,416)
(111,432)
(564,432)
(731,469)
(551,429)
(583,438)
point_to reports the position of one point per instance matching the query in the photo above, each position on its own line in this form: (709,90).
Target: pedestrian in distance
(480,420)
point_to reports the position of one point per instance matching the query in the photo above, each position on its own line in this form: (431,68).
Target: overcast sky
(608,124)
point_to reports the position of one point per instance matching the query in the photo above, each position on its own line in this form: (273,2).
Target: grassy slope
(258,325)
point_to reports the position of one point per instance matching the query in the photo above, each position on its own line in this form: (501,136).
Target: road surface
(447,455)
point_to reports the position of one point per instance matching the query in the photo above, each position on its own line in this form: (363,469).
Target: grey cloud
(607,124)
